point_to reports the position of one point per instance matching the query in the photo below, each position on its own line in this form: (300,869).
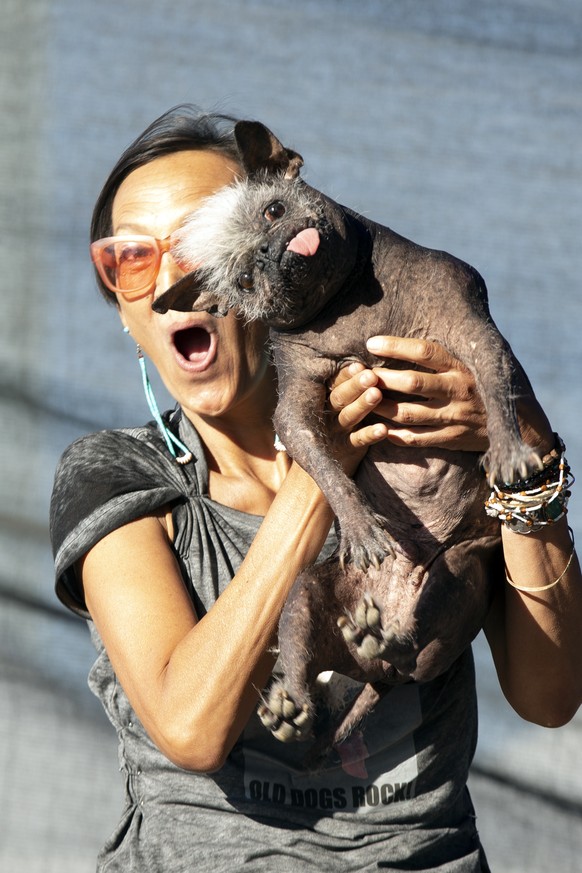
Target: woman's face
(211,366)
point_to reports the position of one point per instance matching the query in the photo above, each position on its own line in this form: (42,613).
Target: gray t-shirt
(393,796)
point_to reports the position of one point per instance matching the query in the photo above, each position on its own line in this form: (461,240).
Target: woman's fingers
(354,395)
(422,352)
(438,405)
(424,396)
(448,413)
(431,391)
(368,435)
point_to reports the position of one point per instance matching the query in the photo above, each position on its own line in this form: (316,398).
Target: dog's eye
(245,280)
(274,211)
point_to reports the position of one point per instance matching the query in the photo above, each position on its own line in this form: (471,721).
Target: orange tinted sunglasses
(129,264)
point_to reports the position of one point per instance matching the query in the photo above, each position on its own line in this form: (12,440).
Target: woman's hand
(438,406)
(355,394)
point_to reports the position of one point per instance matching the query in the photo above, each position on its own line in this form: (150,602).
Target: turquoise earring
(169,437)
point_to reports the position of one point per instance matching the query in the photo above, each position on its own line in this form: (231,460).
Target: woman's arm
(535,638)
(194,683)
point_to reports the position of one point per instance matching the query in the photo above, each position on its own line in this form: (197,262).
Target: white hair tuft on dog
(220,240)
(203,241)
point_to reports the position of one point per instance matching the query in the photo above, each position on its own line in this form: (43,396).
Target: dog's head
(268,246)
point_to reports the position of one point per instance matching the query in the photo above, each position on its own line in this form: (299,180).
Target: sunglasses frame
(161,246)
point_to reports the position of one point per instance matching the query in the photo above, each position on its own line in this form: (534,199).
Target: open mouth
(194,345)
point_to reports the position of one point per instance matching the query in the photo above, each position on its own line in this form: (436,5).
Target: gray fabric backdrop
(457,123)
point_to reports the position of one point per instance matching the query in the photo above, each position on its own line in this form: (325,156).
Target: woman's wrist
(541,499)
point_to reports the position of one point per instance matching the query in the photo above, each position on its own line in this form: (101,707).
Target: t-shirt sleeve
(102,482)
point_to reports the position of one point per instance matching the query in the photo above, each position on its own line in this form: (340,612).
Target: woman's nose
(169,273)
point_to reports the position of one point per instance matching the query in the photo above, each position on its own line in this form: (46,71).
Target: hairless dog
(409,586)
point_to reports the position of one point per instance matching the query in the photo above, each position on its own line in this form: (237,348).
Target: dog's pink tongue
(305,243)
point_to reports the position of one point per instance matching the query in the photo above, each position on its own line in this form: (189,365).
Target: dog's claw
(365,553)
(519,464)
(364,541)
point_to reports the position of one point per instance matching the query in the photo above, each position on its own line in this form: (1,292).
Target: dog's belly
(428,497)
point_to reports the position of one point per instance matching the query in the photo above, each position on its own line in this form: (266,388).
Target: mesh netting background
(457,123)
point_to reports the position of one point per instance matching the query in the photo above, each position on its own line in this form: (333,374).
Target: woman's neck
(245,470)
(234,443)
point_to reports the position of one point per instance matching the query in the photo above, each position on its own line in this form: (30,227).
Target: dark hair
(185,127)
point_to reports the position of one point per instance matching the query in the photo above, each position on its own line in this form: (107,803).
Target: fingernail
(375,344)
(368,379)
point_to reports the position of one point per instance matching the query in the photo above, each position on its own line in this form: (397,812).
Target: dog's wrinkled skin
(409,588)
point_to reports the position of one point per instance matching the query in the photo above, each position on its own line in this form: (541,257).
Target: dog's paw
(286,719)
(363,627)
(365,542)
(365,630)
(511,466)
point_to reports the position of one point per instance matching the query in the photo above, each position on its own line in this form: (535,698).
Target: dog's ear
(260,150)
(181,295)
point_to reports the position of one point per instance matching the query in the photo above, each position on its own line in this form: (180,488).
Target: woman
(180,542)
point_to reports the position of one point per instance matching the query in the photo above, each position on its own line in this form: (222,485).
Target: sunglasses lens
(129,265)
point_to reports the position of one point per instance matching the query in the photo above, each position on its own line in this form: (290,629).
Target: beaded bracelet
(533,589)
(529,505)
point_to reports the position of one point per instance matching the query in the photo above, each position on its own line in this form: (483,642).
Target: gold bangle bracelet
(532,589)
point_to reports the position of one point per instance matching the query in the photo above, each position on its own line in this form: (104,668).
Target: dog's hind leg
(309,644)
(287,708)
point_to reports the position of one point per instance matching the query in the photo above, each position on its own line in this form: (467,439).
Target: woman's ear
(122,319)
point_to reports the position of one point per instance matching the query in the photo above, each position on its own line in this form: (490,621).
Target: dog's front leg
(304,426)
